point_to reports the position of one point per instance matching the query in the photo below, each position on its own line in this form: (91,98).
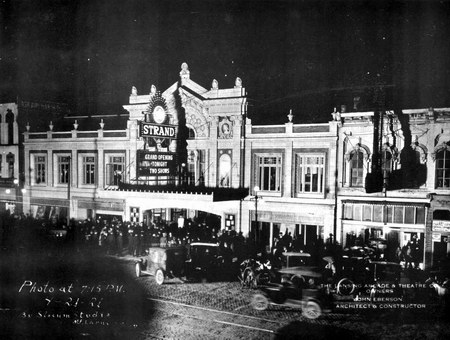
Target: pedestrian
(119,239)
(408,257)
(398,254)
(131,240)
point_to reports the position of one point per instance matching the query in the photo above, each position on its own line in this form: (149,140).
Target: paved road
(221,310)
(60,293)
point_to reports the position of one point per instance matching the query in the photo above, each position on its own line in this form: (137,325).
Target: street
(55,293)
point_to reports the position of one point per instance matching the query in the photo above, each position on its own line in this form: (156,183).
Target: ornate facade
(380,177)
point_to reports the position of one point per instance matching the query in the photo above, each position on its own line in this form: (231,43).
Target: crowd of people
(112,236)
(115,237)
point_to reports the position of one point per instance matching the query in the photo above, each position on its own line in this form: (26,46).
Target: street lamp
(69,176)
(256,189)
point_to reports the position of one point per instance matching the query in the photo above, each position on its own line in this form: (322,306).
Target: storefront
(440,228)
(384,225)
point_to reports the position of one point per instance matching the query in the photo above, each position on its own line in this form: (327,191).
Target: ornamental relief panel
(225,128)
(198,122)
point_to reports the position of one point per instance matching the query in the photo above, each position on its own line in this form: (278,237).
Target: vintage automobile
(208,262)
(255,272)
(307,294)
(370,273)
(162,263)
(197,261)
(296,259)
(259,271)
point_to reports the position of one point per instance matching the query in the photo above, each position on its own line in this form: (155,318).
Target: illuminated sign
(156,163)
(158,131)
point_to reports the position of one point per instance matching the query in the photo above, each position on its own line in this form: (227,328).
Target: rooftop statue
(238,82)
(184,73)
(215,84)
(134,91)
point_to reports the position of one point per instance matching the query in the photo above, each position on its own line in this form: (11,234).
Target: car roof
(303,271)
(386,263)
(293,253)
(205,244)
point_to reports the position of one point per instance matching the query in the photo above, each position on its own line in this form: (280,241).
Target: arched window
(191,134)
(225,171)
(443,169)
(10,122)
(357,168)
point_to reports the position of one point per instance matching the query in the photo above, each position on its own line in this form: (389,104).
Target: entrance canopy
(217,194)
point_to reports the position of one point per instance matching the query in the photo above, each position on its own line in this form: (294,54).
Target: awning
(218,194)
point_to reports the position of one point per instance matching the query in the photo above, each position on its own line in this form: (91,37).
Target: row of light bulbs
(8,191)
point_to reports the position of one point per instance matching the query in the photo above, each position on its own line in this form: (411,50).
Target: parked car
(296,259)
(197,261)
(306,294)
(369,273)
(207,261)
(163,263)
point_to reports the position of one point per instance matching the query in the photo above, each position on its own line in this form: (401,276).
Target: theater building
(189,152)
(179,153)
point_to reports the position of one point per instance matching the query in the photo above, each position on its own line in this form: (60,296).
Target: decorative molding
(225,128)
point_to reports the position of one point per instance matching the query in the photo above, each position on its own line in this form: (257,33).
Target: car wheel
(263,278)
(298,281)
(259,302)
(312,310)
(345,287)
(159,276)
(137,269)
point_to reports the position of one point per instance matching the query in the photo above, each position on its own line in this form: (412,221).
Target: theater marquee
(157,131)
(156,163)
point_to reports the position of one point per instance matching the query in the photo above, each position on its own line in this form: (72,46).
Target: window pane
(266,179)
(348,211)
(273,178)
(357,212)
(398,214)
(409,215)
(367,213)
(390,213)
(378,213)
(420,215)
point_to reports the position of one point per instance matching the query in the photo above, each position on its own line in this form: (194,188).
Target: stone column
(213,154)
(236,170)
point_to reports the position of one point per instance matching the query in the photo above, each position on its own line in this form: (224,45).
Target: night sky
(306,55)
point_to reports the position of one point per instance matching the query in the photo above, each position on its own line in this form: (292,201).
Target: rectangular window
(367,212)
(39,169)
(269,173)
(398,214)
(357,212)
(378,213)
(348,211)
(114,170)
(310,173)
(384,213)
(409,215)
(389,213)
(88,170)
(63,169)
(420,215)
